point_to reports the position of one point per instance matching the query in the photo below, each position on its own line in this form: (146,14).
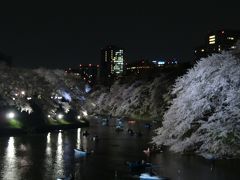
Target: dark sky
(59,35)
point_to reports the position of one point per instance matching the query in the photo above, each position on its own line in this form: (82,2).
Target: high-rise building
(218,41)
(112,63)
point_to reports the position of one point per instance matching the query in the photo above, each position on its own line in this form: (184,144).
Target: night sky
(56,35)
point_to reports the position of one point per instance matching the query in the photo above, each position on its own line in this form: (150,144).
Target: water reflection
(51,156)
(10,166)
(48,138)
(59,155)
(10,148)
(85,143)
(48,147)
(79,138)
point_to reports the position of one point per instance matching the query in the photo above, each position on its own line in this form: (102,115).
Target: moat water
(51,156)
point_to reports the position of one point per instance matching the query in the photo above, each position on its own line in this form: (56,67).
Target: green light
(15,123)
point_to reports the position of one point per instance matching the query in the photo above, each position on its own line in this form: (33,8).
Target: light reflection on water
(59,155)
(49,138)
(10,165)
(48,147)
(11,149)
(85,143)
(79,138)
(50,156)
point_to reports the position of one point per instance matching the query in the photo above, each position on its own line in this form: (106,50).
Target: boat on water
(147,176)
(152,175)
(138,165)
(105,122)
(119,128)
(79,153)
(147,125)
(147,151)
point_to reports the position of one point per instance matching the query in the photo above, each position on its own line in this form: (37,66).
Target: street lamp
(10,115)
(59,116)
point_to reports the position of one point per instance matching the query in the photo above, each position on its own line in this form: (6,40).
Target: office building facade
(112,63)
(216,42)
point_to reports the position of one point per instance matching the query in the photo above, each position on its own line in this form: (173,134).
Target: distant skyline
(65,35)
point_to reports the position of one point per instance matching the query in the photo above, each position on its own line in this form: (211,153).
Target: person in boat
(95,138)
(130,131)
(147,151)
(137,165)
(118,128)
(85,133)
(148,125)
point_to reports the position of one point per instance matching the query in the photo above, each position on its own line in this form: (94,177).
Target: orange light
(131,122)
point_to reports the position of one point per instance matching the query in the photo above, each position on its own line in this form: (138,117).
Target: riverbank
(41,129)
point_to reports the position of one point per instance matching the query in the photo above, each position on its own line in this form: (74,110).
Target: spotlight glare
(60,116)
(10,115)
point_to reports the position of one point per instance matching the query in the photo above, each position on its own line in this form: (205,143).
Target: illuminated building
(117,63)
(217,41)
(112,63)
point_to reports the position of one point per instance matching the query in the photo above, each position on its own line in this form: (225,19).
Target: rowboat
(146,176)
(79,153)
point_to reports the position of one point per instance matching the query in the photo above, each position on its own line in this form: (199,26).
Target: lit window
(212,39)
(211,42)
(105,56)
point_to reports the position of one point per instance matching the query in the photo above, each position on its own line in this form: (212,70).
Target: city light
(212,39)
(22,92)
(78,117)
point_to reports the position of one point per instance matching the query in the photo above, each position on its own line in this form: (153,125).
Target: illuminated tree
(204,117)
